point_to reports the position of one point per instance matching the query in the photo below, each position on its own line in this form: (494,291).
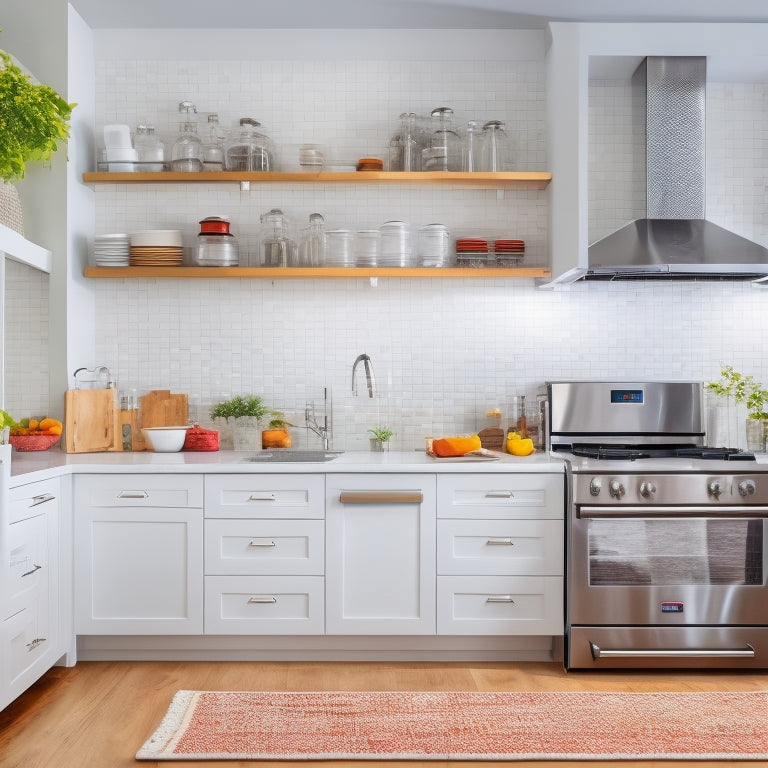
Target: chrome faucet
(369,379)
(323,431)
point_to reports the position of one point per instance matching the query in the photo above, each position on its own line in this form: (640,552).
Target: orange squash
(455,446)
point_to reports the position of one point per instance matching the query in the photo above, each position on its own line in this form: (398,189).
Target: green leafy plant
(240,406)
(278,420)
(6,420)
(743,389)
(33,120)
(381,433)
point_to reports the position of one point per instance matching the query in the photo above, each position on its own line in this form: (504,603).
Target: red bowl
(33,442)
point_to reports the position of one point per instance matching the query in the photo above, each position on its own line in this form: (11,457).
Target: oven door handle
(671,653)
(658,510)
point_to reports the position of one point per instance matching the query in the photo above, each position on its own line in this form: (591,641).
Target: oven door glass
(682,551)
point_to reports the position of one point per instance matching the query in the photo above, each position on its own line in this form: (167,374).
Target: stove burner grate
(631,453)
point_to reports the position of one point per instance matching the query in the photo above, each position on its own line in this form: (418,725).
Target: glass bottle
(187,152)
(445,146)
(312,248)
(213,145)
(149,149)
(276,248)
(411,148)
(471,148)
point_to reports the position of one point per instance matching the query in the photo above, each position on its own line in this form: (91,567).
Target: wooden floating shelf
(313,272)
(499,180)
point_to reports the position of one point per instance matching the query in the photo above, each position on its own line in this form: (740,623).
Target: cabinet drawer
(27,648)
(499,605)
(513,495)
(265,496)
(139,490)
(264,547)
(500,547)
(33,499)
(28,560)
(265,605)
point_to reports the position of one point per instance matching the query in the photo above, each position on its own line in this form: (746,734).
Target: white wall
(443,350)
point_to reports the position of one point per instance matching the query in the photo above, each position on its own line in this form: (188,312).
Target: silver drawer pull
(37,641)
(499,495)
(381,497)
(671,653)
(261,543)
(133,495)
(35,569)
(41,499)
(262,497)
(262,599)
(502,542)
(499,599)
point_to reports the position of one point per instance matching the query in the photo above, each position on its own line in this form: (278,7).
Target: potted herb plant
(34,119)
(246,413)
(380,439)
(740,389)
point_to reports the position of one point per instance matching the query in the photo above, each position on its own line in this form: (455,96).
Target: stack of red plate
(471,251)
(508,251)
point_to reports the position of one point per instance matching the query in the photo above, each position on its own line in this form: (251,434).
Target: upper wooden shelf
(295,272)
(499,180)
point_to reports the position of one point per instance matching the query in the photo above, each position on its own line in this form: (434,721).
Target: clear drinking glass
(496,152)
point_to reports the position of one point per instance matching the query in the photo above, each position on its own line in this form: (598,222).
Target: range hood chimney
(675,241)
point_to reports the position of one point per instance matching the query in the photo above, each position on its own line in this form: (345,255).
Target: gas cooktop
(632,452)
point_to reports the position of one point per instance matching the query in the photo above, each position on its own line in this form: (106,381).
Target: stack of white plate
(112,250)
(157,248)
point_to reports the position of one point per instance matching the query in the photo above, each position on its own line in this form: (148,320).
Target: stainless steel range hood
(675,241)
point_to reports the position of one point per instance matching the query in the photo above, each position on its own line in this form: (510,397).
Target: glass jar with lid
(444,152)
(150,151)
(187,150)
(312,247)
(496,150)
(248,149)
(213,145)
(276,248)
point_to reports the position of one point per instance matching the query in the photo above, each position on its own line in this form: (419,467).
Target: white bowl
(157,237)
(165,439)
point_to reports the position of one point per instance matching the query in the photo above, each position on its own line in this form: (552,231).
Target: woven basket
(10,208)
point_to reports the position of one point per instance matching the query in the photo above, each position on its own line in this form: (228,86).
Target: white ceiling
(404,14)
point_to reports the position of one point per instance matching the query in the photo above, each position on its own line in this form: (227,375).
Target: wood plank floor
(97,714)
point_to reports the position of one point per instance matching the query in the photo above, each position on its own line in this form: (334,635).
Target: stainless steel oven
(667,538)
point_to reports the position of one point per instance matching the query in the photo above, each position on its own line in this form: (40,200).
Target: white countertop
(29,466)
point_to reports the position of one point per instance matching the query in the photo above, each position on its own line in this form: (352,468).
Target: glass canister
(339,250)
(312,246)
(367,247)
(276,249)
(433,246)
(187,150)
(395,245)
(496,150)
(150,151)
(444,152)
(249,149)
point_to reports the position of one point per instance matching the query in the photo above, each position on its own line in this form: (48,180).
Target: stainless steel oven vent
(676,240)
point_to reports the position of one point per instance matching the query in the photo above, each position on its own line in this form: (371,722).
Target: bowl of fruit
(35,434)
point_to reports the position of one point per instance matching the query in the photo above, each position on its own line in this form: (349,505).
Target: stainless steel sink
(284,454)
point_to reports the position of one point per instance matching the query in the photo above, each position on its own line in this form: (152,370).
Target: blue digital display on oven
(626,395)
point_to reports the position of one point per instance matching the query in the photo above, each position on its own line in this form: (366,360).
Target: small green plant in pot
(380,440)
(246,413)
(740,389)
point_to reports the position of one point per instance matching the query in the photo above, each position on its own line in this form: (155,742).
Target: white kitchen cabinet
(500,554)
(138,546)
(288,496)
(380,554)
(31,634)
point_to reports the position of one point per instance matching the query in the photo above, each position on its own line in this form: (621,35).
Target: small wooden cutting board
(91,421)
(160,408)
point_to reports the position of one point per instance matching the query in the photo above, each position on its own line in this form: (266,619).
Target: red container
(214,225)
(199,439)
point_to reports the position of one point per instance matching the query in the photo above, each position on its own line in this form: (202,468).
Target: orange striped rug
(218,725)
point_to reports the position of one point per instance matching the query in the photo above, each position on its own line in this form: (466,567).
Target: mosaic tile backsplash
(443,351)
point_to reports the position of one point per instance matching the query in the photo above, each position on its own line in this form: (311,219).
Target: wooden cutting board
(160,408)
(91,421)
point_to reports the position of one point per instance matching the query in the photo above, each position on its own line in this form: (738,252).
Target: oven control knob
(616,489)
(647,489)
(595,486)
(715,488)
(747,487)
